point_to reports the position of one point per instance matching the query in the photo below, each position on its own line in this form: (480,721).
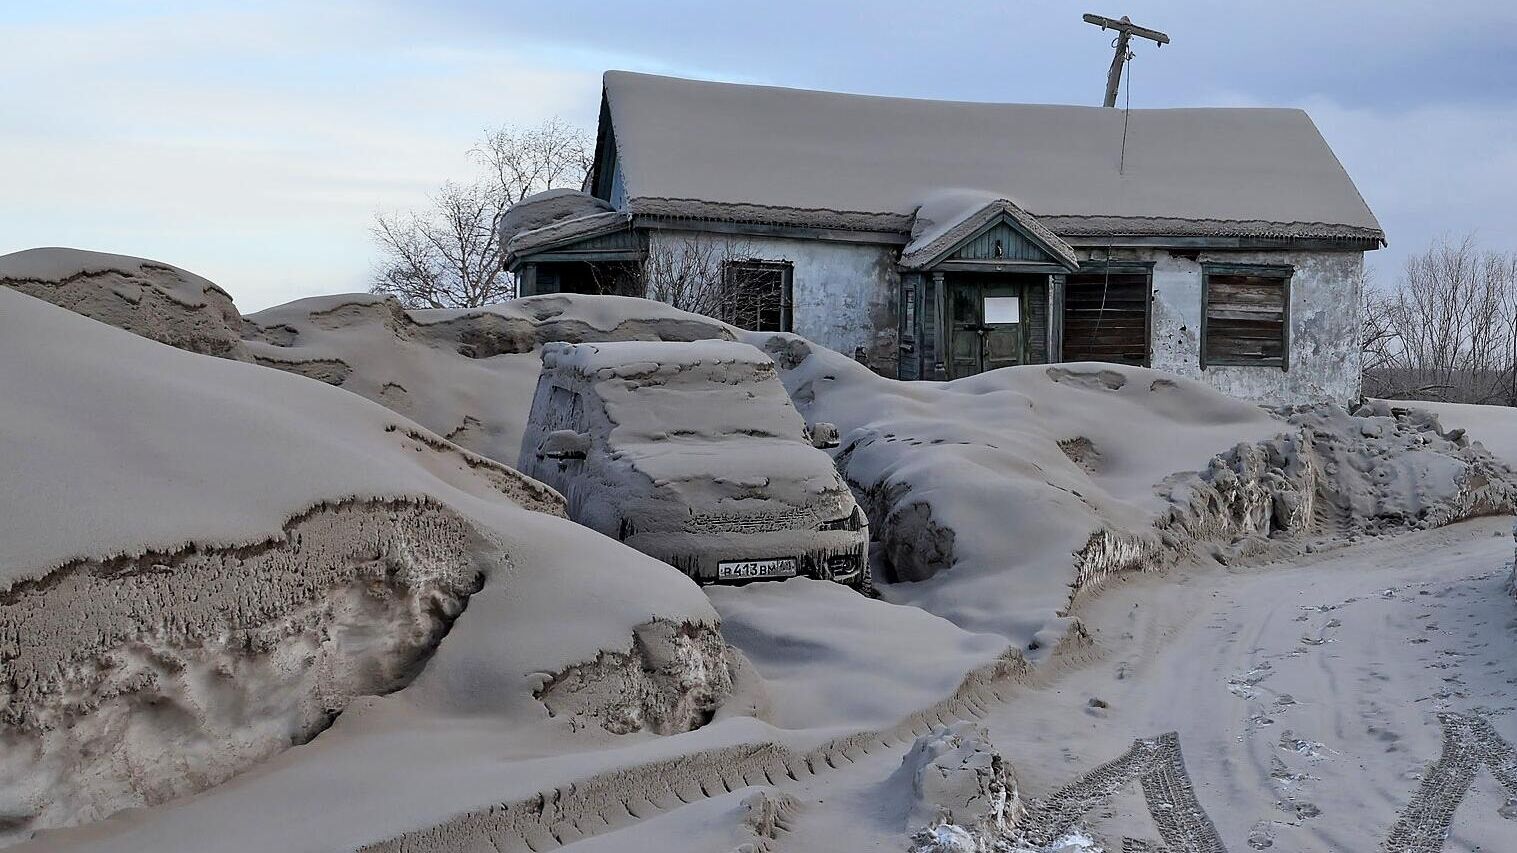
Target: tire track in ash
(1159,767)
(619,798)
(1469,741)
(616,799)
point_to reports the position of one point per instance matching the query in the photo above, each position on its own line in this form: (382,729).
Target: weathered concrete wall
(1323,358)
(845,294)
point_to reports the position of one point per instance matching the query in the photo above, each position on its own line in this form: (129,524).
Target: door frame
(959,282)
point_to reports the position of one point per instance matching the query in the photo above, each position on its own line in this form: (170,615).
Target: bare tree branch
(706,274)
(447,256)
(1449,332)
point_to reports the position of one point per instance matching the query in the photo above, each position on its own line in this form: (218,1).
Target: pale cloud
(253,142)
(263,172)
(1429,172)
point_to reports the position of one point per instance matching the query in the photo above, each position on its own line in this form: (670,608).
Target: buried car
(693,453)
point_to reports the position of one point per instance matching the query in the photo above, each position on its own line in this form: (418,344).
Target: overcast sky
(253,142)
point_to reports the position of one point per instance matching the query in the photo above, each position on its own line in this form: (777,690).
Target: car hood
(742,476)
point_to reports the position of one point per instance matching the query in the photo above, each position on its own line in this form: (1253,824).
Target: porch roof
(947,220)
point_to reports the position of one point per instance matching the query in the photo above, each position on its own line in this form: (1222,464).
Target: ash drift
(693,453)
(558,703)
(204,562)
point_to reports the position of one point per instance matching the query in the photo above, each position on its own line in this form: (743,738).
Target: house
(938,239)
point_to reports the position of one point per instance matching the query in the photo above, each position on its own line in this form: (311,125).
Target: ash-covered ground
(274,582)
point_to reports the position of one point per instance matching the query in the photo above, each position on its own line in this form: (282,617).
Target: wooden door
(965,347)
(1002,316)
(985,326)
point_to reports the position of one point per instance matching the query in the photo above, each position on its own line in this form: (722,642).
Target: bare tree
(1377,329)
(524,161)
(1508,320)
(1450,330)
(715,276)
(447,256)
(685,270)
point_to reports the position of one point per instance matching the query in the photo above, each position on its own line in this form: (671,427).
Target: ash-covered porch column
(940,326)
(1055,318)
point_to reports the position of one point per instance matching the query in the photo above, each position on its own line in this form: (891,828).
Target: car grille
(748,523)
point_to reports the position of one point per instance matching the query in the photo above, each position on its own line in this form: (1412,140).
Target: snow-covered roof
(555,216)
(801,157)
(546,208)
(948,218)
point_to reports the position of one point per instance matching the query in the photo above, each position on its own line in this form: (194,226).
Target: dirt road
(1359,700)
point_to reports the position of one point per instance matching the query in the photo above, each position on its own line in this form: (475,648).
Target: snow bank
(832,659)
(958,778)
(467,374)
(1492,427)
(1006,476)
(203,562)
(998,498)
(185,668)
(1495,427)
(153,299)
(672,680)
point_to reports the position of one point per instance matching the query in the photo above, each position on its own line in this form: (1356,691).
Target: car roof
(706,418)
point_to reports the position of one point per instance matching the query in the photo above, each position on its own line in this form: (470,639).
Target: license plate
(743,570)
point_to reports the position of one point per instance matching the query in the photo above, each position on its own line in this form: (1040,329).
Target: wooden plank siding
(1247,316)
(1106,317)
(1035,321)
(1013,247)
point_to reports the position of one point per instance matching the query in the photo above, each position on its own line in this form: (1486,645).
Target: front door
(985,326)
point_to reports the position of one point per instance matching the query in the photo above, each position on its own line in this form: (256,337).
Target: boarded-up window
(756,295)
(1106,316)
(1247,316)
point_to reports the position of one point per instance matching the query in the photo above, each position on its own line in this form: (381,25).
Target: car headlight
(852,521)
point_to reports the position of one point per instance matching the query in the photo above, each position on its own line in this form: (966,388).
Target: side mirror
(564,444)
(824,436)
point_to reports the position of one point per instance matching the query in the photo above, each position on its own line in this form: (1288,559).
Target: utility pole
(1126,29)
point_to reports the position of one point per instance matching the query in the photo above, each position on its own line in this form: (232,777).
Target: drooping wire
(1105,287)
(1126,111)
(1121,169)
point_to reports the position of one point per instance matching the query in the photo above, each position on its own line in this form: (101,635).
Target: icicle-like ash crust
(129,681)
(692,453)
(1032,485)
(1335,475)
(611,800)
(671,681)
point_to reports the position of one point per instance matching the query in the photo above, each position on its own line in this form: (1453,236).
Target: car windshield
(696,408)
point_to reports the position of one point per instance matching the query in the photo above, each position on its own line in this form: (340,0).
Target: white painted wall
(845,293)
(845,299)
(1324,356)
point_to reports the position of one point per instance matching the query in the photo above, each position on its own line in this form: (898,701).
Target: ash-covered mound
(998,498)
(203,562)
(153,299)
(468,374)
